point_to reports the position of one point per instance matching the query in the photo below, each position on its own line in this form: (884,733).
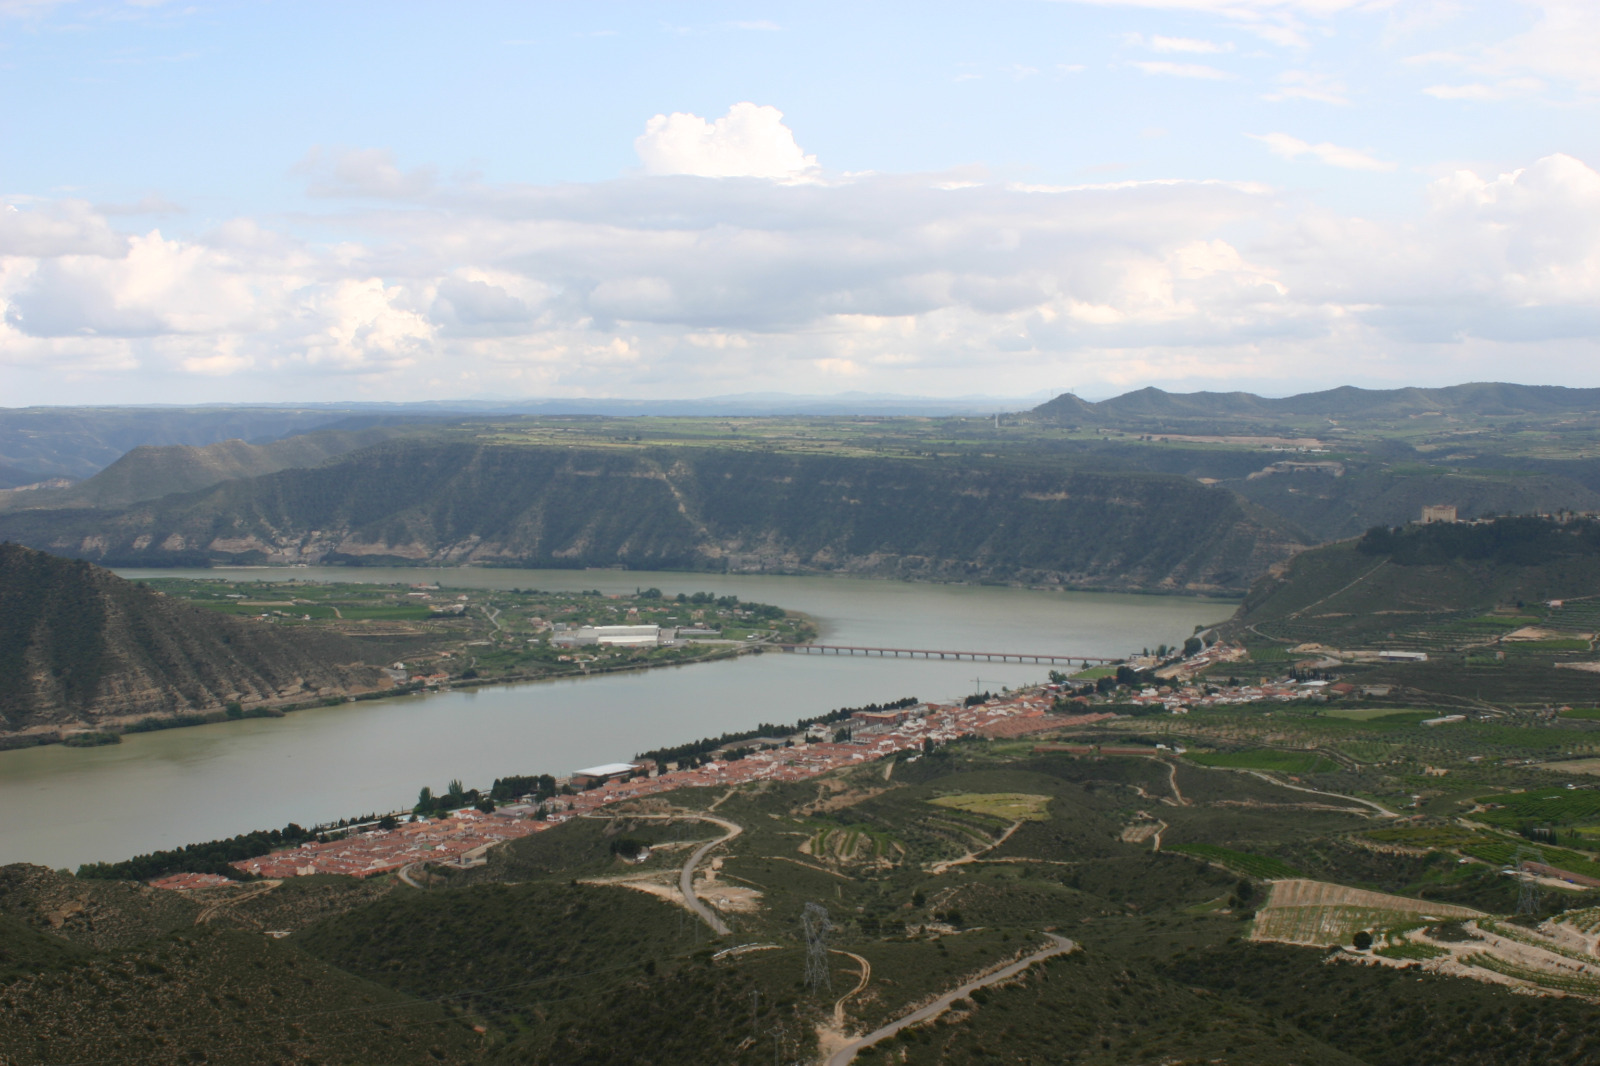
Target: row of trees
(699,751)
(212,857)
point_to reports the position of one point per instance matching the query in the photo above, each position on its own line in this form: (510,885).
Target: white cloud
(1561,46)
(1308,85)
(370,172)
(908,283)
(1185,70)
(1334,155)
(62,227)
(149,204)
(1187,44)
(750,141)
(1501,90)
(1558,49)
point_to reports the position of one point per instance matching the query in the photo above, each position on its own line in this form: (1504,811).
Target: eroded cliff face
(80,648)
(431,504)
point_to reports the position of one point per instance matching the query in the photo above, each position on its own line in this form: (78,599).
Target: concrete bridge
(935,653)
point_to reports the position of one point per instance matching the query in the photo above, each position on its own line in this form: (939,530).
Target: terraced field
(1322,914)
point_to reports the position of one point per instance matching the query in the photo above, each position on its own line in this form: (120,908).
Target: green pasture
(1012,806)
(1288,762)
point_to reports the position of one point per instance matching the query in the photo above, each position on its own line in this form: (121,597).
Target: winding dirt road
(861,984)
(686,878)
(846,1055)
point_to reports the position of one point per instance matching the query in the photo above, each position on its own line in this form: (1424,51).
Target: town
(459,837)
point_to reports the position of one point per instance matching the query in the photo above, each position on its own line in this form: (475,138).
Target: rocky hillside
(82,649)
(414,502)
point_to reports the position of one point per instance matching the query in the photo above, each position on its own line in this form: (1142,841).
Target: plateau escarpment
(81,649)
(697,509)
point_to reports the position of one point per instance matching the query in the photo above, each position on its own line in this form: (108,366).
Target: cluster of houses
(464,835)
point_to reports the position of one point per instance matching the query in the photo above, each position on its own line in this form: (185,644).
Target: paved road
(845,1055)
(686,878)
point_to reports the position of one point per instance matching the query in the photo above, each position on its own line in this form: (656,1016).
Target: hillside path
(846,1055)
(1172,776)
(1380,808)
(973,856)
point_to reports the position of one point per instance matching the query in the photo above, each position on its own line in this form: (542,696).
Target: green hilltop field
(1507,613)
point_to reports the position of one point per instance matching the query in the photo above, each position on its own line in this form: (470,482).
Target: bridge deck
(936,653)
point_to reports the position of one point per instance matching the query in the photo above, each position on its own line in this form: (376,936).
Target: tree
(425,799)
(1362,940)
(1192,647)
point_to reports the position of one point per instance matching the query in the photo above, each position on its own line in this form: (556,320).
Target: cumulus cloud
(912,283)
(64,227)
(1281,144)
(750,141)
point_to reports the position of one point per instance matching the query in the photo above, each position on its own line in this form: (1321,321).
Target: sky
(292,202)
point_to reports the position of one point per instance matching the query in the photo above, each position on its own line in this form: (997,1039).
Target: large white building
(625,636)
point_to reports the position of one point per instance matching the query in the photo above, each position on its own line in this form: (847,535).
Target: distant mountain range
(1482,399)
(81,648)
(38,443)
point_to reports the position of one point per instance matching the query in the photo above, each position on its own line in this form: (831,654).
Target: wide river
(66,806)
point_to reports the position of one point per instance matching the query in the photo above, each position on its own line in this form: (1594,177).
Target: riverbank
(210,782)
(116,729)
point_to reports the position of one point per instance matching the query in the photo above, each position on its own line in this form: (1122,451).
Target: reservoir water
(66,806)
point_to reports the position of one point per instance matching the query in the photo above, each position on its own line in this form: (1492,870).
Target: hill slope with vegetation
(1391,578)
(959,518)
(81,648)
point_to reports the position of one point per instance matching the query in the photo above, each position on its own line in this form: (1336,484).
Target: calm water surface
(66,806)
